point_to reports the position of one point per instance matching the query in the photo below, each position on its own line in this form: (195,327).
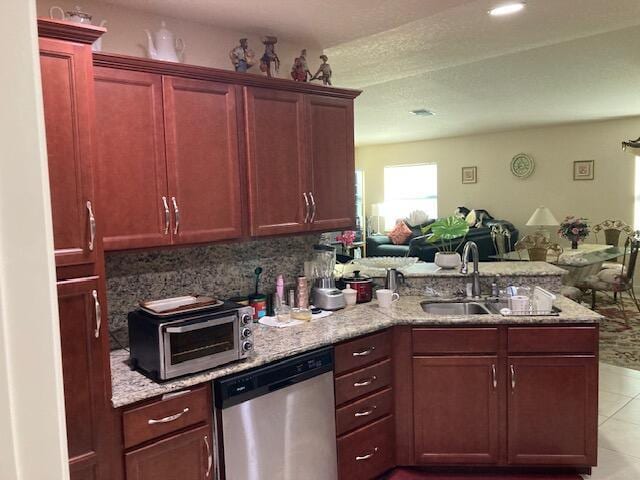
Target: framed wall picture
(469,174)
(583,169)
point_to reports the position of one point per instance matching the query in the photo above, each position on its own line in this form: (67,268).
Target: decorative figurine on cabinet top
(242,56)
(324,71)
(300,70)
(270,56)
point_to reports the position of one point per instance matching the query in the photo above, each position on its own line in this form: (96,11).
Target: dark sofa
(416,246)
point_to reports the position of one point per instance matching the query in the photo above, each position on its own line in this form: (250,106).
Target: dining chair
(501,238)
(618,282)
(539,248)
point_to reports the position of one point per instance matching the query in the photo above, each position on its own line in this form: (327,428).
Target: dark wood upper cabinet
(331,153)
(277,163)
(68,114)
(131,167)
(185,456)
(456,410)
(553,408)
(202,160)
(83,374)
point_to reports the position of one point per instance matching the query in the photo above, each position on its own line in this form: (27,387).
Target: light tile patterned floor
(619,420)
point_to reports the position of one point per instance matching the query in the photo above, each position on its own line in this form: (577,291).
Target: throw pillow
(400,233)
(417,217)
(471,218)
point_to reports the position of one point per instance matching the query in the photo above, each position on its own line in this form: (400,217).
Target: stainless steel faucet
(475,288)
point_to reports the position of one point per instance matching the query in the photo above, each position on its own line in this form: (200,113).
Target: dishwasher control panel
(238,388)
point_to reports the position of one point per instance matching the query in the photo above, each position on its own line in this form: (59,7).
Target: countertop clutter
(272,344)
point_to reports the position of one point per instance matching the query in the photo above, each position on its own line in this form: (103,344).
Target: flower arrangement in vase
(346,238)
(450,233)
(574,229)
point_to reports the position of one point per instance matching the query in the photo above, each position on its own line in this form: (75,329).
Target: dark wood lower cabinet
(455,410)
(184,456)
(553,410)
(83,375)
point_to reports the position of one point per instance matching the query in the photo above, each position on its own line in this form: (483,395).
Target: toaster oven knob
(246,333)
(246,319)
(246,346)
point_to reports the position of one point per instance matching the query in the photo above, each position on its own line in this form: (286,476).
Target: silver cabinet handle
(495,378)
(306,204)
(513,377)
(313,208)
(209,456)
(170,418)
(364,383)
(365,413)
(364,353)
(167,215)
(96,304)
(92,227)
(176,211)
(367,456)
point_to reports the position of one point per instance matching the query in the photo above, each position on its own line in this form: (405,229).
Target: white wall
(610,195)
(206,45)
(32,430)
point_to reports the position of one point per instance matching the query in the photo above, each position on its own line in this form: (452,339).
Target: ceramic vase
(448,260)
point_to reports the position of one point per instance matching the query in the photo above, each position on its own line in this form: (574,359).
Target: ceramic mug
(386,297)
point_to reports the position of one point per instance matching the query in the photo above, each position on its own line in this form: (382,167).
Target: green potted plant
(448,234)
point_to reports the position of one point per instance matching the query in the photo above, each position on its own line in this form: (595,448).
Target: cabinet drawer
(361,412)
(362,351)
(429,341)
(363,381)
(368,452)
(165,416)
(553,339)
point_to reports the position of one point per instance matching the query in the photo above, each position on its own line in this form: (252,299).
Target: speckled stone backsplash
(220,270)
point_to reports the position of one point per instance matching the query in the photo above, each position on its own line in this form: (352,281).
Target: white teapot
(163,46)
(76,15)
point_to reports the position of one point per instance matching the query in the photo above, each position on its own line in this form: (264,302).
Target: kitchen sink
(454,308)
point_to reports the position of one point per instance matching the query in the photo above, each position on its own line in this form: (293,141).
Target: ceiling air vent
(422,112)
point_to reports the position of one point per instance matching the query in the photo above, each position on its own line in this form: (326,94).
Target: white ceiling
(557,61)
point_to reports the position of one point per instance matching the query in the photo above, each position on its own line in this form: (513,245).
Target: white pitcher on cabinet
(163,46)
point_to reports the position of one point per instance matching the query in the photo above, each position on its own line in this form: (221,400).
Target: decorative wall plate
(522,165)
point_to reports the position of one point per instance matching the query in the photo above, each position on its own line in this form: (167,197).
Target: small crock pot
(363,284)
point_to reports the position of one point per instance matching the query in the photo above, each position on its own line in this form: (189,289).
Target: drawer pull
(493,374)
(364,353)
(170,395)
(359,458)
(209,456)
(365,383)
(168,419)
(513,377)
(365,413)
(92,226)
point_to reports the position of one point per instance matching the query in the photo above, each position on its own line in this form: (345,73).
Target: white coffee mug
(386,297)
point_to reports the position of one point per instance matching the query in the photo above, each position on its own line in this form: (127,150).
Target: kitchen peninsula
(508,382)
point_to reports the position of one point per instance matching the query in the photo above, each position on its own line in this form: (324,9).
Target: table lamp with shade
(542,218)
(376,212)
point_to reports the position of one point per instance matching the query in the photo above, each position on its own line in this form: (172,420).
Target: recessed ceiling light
(422,112)
(507,9)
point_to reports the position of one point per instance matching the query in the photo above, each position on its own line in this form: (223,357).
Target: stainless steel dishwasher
(277,422)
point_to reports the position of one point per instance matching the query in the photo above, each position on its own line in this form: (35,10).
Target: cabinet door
(330,136)
(202,160)
(553,410)
(131,172)
(83,375)
(185,456)
(456,410)
(68,114)
(276,161)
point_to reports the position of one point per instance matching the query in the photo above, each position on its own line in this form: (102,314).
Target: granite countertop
(487,269)
(276,343)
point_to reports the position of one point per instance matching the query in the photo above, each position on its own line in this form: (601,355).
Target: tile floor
(619,420)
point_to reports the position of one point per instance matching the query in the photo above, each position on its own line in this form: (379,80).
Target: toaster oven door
(197,346)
